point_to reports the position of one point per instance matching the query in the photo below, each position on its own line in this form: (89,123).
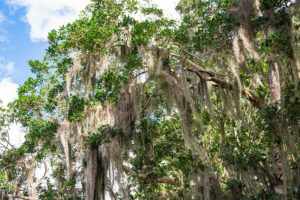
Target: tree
(127,108)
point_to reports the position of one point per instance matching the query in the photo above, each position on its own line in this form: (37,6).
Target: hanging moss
(103,135)
(151,108)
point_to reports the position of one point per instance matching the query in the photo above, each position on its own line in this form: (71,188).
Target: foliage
(205,107)
(103,135)
(76,108)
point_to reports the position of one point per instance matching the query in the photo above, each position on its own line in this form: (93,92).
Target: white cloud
(2,17)
(8,90)
(45,15)
(168,7)
(3,38)
(10,67)
(16,135)
(6,68)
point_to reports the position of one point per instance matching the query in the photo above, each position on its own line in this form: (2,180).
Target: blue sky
(24,26)
(16,46)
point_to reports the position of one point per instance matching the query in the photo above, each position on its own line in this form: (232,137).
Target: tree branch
(165,179)
(225,85)
(295,7)
(201,69)
(10,196)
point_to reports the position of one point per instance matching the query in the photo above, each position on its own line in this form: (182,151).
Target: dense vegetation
(129,104)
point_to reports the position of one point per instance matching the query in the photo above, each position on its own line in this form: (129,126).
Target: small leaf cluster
(109,84)
(43,133)
(76,108)
(4,185)
(105,132)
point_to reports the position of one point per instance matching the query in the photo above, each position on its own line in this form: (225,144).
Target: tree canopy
(130,104)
